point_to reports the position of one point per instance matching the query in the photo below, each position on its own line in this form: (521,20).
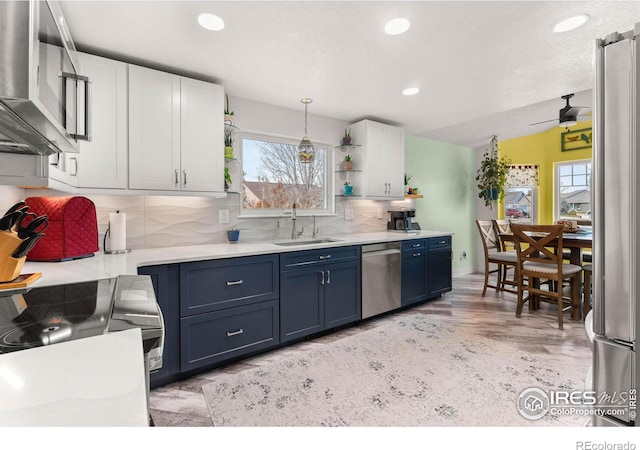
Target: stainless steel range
(40,316)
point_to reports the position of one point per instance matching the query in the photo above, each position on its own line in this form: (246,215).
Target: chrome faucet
(295,233)
(315,230)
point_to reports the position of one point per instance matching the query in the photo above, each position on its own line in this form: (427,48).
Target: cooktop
(39,316)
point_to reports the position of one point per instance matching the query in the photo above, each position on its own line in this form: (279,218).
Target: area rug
(416,371)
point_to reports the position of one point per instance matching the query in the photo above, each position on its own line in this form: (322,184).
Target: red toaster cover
(72,231)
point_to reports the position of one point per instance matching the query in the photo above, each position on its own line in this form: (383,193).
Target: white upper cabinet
(202,136)
(104,161)
(176,133)
(384,158)
(154,129)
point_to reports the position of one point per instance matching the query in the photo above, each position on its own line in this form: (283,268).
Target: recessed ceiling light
(411,91)
(211,22)
(397,26)
(571,23)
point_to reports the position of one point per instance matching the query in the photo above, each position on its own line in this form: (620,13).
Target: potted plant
(347,164)
(348,189)
(228,114)
(227,179)
(233,235)
(492,175)
(346,139)
(407,178)
(228,143)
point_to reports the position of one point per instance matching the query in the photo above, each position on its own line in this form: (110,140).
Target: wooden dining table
(575,242)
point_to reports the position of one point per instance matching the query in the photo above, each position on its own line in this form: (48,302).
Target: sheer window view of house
(573,190)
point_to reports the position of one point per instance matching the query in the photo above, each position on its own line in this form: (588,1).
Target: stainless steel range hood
(40,88)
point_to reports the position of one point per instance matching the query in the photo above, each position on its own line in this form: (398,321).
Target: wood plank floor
(493,316)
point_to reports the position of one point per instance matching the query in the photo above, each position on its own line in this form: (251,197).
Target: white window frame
(533,214)
(556,182)
(329,209)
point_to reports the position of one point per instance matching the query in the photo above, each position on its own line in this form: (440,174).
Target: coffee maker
(402,220)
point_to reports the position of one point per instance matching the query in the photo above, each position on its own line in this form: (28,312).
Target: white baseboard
(463,271)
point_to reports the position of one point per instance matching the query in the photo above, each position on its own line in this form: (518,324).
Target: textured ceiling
(483,67)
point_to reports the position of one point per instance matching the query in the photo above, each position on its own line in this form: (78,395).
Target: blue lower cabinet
(439,265)
(342,297)
(301,302)
(207,286)
(319,295)
(414,276)
(213,337)
(165,279)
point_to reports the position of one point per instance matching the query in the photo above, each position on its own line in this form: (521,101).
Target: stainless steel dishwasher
(380,278)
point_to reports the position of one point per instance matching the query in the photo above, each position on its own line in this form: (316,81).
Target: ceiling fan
(569,115)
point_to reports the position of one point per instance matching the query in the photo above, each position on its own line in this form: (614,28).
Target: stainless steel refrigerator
(616,216)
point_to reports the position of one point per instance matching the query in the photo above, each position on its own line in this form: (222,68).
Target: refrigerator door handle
(596,189)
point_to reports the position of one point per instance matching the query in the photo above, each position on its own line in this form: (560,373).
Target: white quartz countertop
(101,266)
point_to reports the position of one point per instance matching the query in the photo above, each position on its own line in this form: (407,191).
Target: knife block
(10,267)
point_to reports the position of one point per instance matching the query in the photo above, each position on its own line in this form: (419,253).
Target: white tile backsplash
(165,221)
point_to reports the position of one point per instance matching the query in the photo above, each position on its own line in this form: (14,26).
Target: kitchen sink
(306,241)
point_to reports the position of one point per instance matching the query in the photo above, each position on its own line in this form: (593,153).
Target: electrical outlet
(380,213)
(348,214)
(223,216)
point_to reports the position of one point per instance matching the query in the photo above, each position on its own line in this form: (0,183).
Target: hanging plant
(492,175)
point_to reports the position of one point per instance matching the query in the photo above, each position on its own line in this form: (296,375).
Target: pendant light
(306,150)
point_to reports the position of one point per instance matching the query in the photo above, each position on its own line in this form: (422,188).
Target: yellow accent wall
(543,149)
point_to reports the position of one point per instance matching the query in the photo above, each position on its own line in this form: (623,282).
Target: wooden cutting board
(22,281)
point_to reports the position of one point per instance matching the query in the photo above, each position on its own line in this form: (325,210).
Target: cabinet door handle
(235,333)
(74,173)
(325,256)
(322,281)
(184,176)
(234,283)
(328,277)
(389,189)
(417,254)
(177,181)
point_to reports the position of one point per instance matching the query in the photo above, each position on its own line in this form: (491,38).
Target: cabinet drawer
(414,244)
(439,242)
(213,337)
(214,285)
(309,257)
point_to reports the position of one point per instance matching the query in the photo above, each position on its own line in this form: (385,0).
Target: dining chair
(493,254)
(502,228)
(539,249)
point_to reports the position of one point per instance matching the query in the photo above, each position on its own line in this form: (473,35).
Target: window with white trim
(572,186)
(274,177)
(521,194)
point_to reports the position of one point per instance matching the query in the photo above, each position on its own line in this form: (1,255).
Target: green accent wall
(445,174)
(543,149)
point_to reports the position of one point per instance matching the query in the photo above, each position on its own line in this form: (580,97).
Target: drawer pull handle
(417,254)
(235,333)
(442,242)
(325,256)
(234,283)
(415,245)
